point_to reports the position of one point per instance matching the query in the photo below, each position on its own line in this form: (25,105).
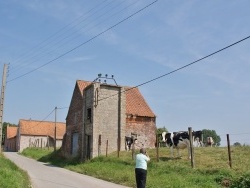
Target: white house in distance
(34,133)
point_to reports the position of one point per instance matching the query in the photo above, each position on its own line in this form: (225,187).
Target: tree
(159,131)
(237,144)
(211,133)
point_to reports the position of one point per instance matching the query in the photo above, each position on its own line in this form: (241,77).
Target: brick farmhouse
(101,115)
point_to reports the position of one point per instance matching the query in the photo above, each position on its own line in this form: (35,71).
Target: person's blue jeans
(141,177)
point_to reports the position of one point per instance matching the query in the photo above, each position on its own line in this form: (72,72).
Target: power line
(69,38)
(185,66)
(40,45)
(58,108)
(46,117)
(89,40)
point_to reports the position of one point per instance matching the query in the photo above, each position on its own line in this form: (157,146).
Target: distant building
(10,139)
(101,115)
(33,133)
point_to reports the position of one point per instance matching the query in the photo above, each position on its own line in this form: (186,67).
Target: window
(89,114)
(75,118)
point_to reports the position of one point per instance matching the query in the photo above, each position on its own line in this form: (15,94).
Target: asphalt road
(43,175)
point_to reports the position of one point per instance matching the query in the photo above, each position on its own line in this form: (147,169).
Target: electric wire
(87,41)
(39,46)
(45,117)
(185,66)
(39,54)
(180,68)
(72,38)
(73,35)
(58,108)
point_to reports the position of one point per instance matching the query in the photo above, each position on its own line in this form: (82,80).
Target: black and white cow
(210,141)
(197,139)
(128,142)
(178,140)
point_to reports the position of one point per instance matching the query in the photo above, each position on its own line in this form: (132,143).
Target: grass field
(211,167)
(11,176)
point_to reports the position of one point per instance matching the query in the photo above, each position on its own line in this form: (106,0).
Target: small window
(89,114)
(75,118)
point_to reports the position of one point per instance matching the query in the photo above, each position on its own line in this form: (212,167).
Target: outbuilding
(101,115)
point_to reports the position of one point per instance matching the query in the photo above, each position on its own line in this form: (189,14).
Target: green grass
(12,176)
(211,167)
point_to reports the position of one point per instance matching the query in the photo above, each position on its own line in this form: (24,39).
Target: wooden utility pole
(55,131)
(2,102)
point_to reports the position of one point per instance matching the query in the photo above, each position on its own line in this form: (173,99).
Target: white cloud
(79,59)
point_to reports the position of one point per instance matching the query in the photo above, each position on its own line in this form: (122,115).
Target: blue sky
(211,94)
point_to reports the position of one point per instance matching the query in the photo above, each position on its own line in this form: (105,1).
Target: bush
(241,182)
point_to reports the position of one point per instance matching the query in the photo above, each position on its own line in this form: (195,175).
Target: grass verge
(211,168)
(12,176)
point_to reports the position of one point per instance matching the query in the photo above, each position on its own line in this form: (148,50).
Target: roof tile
(135,102)
(42,128)
(11,132)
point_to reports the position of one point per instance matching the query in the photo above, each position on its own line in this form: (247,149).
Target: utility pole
(2,102)
(55,131)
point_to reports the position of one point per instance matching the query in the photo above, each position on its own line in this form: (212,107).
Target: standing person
(141,168)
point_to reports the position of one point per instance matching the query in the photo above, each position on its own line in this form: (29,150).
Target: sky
(50,44)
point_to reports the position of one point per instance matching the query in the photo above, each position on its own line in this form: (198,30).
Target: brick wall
(74,122)
(145,128)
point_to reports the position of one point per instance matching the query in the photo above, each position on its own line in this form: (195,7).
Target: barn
(34,133)
(10,138)
(101,115)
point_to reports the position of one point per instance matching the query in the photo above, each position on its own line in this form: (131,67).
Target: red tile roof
(82,85)
(11,132)
(42,128)
(135,102)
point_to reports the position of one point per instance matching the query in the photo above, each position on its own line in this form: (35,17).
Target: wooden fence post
(107,147)
(157,148)
(190,133)
(118,147)
(133,149)
(229,151)
(99,144)
(48,142)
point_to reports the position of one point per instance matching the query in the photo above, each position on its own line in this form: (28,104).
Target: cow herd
(178,140)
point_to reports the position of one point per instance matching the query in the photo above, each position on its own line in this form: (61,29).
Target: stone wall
(107,105)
